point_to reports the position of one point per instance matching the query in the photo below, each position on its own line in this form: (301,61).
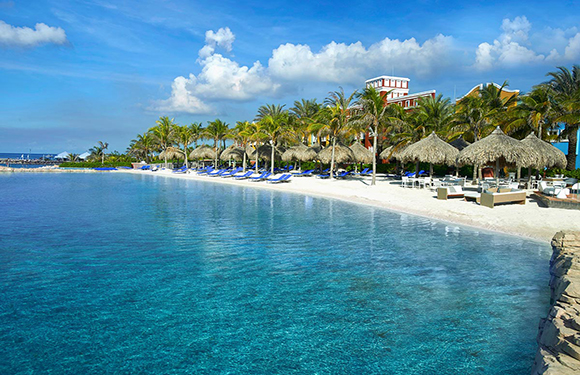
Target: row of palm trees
(347,118)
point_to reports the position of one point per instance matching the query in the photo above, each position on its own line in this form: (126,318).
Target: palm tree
(196,131)
(474,118)
(163,133)
(373,114)
(243,134)
(184,136)
(218,131)
(333,120)
(274,126)
(143,146)
(103,146)
(73,157)
(435,113)
(96,153)
(304,112)
(565,87)
(535,113)
(269,110)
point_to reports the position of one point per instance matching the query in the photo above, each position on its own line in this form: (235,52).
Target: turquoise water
(115,273)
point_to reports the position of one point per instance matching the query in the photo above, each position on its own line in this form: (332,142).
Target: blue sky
(76,72)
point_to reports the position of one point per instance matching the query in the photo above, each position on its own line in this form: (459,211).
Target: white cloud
(220,79)
(515,47)
(342,63)
(223,38)
(27,37)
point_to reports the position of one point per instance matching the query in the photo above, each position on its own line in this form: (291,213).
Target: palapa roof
(392,152)
(497,146)
(431,149)
(300,152)
(265,152)
(548,155)
(459,143)
(232,152)
(171,153)
(361,153)
(342,154)
(203,152)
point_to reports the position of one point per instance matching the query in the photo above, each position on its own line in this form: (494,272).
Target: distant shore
(529,220)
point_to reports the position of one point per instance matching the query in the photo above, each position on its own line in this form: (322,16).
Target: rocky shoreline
(559,333)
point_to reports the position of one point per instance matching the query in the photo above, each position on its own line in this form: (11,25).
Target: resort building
(475,92)
(395,90)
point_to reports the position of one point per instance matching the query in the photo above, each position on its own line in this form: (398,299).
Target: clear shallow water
(113,273)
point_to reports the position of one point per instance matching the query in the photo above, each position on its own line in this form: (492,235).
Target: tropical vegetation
(344,118)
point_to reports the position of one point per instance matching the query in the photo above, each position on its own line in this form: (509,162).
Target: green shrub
(554,171)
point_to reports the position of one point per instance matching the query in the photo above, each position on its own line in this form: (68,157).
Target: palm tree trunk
(572,141)
(374,180)
(332,158)
(272,160)
(244,161)
(185,156)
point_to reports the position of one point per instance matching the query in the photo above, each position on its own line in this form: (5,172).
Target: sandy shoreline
(529,220)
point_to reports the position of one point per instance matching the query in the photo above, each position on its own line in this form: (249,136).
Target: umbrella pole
(529,177)
(417,169)
(431,170)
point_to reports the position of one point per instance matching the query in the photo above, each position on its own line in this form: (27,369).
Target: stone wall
(559,333)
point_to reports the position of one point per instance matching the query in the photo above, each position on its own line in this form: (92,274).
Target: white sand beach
(529,220)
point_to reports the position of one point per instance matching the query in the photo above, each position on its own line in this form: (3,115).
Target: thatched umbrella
(300,153)
(342,154)
(432,150)
(392,152)
(547,155)
(203,152)
(499,148)
(459,143)
(171,153)
(361,153)
(233,152)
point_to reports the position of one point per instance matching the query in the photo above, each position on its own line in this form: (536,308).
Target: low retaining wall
(559,333)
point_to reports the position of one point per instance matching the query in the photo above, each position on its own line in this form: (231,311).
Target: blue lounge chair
(364,172)
(180,170)
(232,172)
(217,173)
(205,170)
(304,173)
(283,178)
(146,167)
(244,176)
(342,174)
(105,169)
(261,177)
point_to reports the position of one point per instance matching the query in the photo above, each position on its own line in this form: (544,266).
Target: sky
(73,73)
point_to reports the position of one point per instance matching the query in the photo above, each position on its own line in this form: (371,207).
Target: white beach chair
(404,181)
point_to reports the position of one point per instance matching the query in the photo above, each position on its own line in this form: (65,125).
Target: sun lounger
(205,170)
(282,178)
(146,167)
(303,173)
(244,176)
(450,192)
(231,173)
(342,174)
(219,172)
(180,170)
(261,177)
